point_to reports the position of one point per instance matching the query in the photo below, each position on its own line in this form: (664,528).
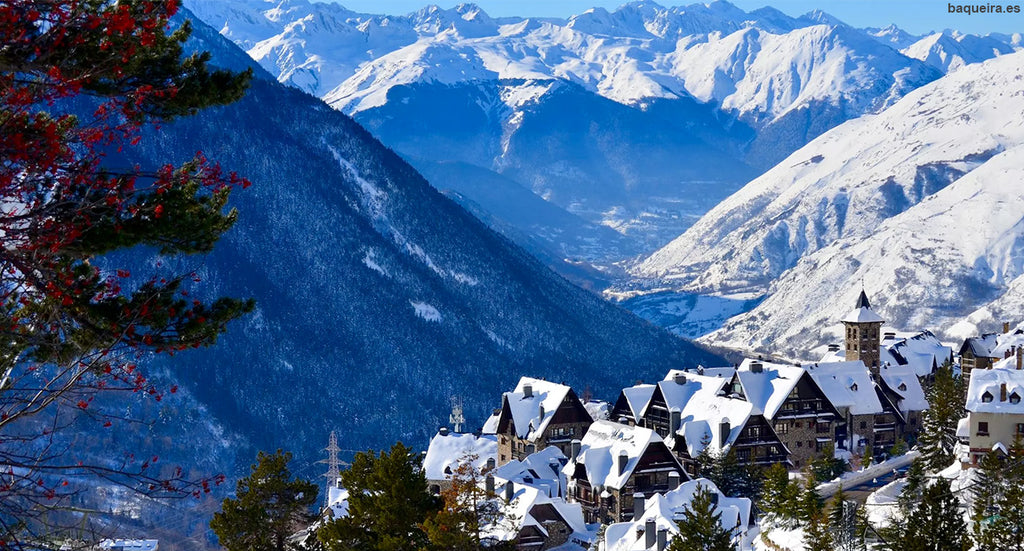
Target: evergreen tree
(269,505)
(778,494)
(732,478)
(1007,529)
(945,409)
(846,523)
(701,526)
(986,493)
(815,523)
(913,489)
(388,504)
(827,466)
(936,524)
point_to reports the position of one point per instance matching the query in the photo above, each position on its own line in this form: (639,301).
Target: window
(810,424)
(810,443)
(1020,429)
(863,424)
(782,428)
(982,428)
(903,386)
(1014,398)
(853,387)
(819,446)
(986,397)
(799,443)
(798,424)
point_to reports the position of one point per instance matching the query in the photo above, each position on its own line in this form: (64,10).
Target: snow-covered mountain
(950,50)
(921,204)
(378,298)
(747,88)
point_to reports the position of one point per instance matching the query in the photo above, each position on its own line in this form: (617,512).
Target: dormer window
(1014,398)
(986,397)
(903,386)
(853,387)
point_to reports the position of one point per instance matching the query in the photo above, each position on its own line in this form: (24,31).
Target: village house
(792,405)
(853,391)
(656,523)
(447,450)
(538,414)
(541,470)
(984,351)
(902,387)
(995,411)
(537,522)
(616,463)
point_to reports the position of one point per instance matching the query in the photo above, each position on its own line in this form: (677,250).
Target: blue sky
(917,16)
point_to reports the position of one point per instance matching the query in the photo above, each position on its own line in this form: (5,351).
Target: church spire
(862,301)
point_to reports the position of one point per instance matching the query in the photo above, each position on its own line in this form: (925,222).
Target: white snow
(425,311)
(602,446)
(847,385)
(531,414)
(446,452)
(987,388)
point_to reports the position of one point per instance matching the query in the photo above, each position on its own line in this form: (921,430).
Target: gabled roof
(525,502)
(604,443)
(994,345)
(531,414)
(541,470)
(847,385)
(666,510)
(446,452)
(921,351)
(991,381)
(902,380)
(767,390)
(637,397)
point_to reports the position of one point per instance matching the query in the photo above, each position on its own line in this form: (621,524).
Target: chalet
(629,407)
(538,414)
(657,524)
(614,465)
(693,413)
(867,414)
(537,522)
(791,403)
(995,411)
(922,352)
(901,385)
(984,351)
(542,470)
(447,450)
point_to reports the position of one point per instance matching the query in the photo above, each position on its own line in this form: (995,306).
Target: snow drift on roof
(604,443)
(448,451)
(847,385)
(991,381)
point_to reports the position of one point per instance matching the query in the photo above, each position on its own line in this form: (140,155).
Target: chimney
(623,459)
(574,449)
(443,431)
(638,506)
(527,391)
(650,533)
(510,491)
(723,436)
(673,480)
(1002,392)
(1020,357)
(490,464)
(489,484)
(756,367)
(888,335)
(675,419)
(680,378)
(1006,327)
(833,347)
(541,412)
(662,539)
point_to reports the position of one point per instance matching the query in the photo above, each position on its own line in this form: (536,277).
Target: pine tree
(986,492)
(1007,529)
(387,506)
(846,525)
(827,466)
(936,524)
(945,409)
(913,488)
(812,515)
(778,494)
(701,526)
(269,505)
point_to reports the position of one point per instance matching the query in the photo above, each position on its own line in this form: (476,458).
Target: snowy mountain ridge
(920,204)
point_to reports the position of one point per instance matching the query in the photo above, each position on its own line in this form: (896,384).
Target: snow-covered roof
(995,345)
(921,351)
(601,447)
(531,414)
(767,390)
(337,501)
(701,421)
(902,379)
(963,428)
(541,470)
(598,409)
(528,501)
(666,510)
(637,398)
(862,312)
(991,382)
(447,451)
(491,424)
(847,385)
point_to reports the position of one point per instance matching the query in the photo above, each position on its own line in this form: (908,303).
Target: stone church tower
(863,334)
